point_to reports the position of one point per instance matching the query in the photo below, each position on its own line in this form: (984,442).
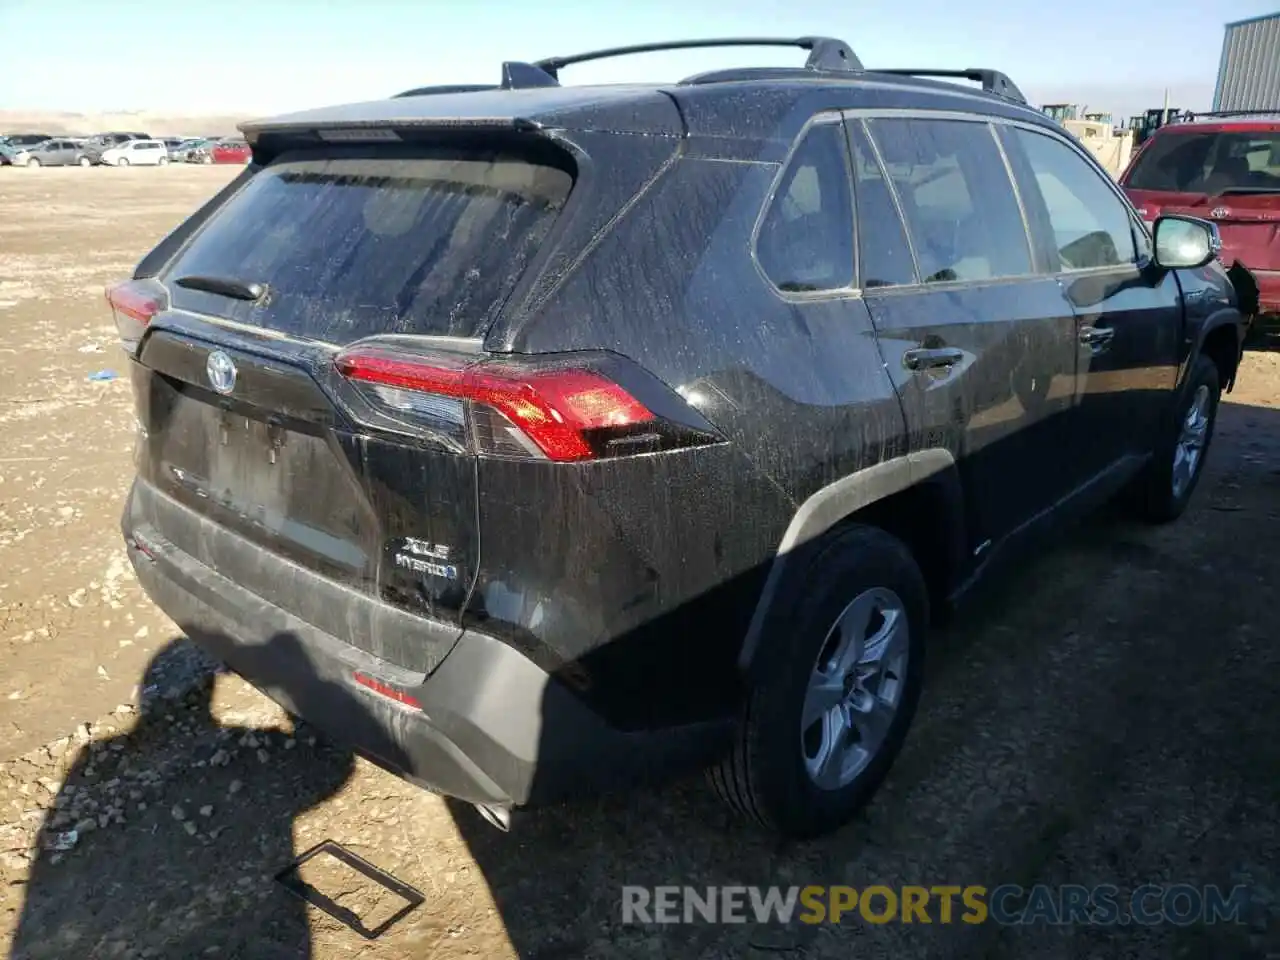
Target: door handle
(924,359)
(1096,336)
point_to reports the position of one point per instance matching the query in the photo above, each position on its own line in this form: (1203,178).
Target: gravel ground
(1110,716)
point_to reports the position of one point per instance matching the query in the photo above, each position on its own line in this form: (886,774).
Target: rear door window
(805,242)
(957,198)
(351,244)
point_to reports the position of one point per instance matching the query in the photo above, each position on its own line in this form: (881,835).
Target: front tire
(163,161)
(33,163)
(85,162)
(1164,488)
(838,683)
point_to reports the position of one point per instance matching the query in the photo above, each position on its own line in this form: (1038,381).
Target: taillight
(506,408)
(134,303)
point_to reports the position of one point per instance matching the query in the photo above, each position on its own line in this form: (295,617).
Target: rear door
(980,344)
(248,423)
(1129,313)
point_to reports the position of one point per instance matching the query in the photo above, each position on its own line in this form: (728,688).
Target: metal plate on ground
(340,859)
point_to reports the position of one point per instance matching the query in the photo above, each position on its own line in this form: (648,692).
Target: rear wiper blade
(224,286)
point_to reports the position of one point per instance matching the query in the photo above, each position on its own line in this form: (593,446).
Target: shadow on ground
(1109,717)
(125,871)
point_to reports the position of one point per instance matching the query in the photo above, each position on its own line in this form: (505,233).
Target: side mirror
(1185,242)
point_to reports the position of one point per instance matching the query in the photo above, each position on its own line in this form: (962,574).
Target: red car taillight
(507,409)
(134,303)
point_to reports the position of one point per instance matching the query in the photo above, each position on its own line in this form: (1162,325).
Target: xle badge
(429,558)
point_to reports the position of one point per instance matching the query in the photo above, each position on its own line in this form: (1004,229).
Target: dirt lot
(1111,716)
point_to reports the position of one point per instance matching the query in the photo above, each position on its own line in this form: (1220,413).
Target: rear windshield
(1208,162)
(355,245)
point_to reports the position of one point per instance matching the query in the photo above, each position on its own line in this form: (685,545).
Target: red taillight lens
(548,413)
(135,303)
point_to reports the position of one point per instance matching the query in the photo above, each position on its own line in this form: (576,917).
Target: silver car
(57,152)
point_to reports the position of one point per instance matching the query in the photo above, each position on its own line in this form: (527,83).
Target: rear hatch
(246,418)
(1230,176)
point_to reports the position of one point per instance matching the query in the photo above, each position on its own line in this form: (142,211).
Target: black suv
(534,439)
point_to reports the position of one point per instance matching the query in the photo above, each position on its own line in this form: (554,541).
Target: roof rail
(1197,114)
(993,81)
(825,53)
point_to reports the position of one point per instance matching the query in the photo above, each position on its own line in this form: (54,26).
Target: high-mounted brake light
(556,413)
(134,304)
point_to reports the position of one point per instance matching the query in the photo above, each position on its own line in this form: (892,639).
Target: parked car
(200,152)
(230,150)
(1225,168)
(121,136)
(576,455)
(20,140)
(182,152)
(58,152)
(179,150)
(136,153)
(102,142)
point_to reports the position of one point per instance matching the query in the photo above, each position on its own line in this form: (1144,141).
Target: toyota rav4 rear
(537,439)
(444,552)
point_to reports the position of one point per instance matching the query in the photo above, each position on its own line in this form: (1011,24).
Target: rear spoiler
(333,128)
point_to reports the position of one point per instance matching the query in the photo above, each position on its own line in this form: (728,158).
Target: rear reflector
(551,414)
(386,690)
(134,303)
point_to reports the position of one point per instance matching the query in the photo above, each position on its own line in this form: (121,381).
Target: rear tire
(804,781)
(122,162)
(163,161)
(33,163)
(1164,488)
(85,162)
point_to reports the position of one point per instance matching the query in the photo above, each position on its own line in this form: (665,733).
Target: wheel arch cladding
(876,496)
(1221,344)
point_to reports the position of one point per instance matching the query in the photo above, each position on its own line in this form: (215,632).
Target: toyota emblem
(1219,212)
(221,370)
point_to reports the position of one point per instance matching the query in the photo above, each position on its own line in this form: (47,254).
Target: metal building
(1249,73)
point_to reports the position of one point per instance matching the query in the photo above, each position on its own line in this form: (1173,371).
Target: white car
(137,153)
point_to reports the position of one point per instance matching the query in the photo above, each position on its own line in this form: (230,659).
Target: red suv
(230,151)
(1224,169)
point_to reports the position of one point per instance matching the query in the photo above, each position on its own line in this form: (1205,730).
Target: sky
(273,56)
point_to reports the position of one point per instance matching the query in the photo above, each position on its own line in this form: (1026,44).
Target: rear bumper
(490,726)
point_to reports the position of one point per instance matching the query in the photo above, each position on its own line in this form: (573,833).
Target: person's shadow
(164,840)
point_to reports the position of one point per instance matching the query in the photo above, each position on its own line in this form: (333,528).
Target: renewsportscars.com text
(1068,904)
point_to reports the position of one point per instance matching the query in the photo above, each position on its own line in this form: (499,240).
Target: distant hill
(156,124)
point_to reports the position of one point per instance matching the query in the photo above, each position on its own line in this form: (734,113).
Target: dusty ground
(1111,717)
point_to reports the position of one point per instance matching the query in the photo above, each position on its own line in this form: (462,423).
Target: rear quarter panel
(645,571)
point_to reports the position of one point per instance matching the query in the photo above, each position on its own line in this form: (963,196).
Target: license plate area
(248,470)
(276,481)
